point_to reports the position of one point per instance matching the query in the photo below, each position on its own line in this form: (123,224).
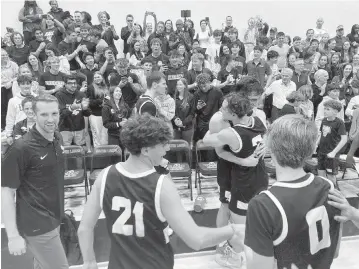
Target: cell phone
(108,23)
(10,30)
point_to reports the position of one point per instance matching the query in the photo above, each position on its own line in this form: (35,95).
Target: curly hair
(144,131)
(249,86)
(203,78)
(239,104)
(333,104)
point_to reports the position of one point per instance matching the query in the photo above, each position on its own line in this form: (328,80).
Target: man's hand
(10,140)
(57,88)
(130,80)
(260,150)
(178,122)
(123,82)
(331,155)
(339,201)
(200,104)
(85,103)
(123,122)
(17,245)
(250,161)
(42,46)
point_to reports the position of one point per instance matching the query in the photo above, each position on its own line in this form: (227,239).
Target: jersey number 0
(318,215)
(119,227)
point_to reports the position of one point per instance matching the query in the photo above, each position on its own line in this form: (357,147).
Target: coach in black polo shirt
(33,168)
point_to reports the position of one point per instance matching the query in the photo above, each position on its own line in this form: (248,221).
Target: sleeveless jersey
(249,137)
(143,99)
(137,228)
(309,234)
(224,167)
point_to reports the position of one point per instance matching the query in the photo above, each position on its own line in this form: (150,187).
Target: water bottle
(199,204)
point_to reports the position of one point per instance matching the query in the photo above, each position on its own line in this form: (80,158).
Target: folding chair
(75,167)
(109,154)
(344,166)
(204,169)
(177,168)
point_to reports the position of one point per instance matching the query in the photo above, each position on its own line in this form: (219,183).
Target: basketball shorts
(330,165)
(224,180)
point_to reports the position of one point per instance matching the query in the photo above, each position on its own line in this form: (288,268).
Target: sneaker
(227,257)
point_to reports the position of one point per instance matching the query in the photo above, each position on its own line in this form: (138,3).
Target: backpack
(69,238)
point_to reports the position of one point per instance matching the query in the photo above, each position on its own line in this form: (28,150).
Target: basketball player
(292,221)
(139,203)
(242,139)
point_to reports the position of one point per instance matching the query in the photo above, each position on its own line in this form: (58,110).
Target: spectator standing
(33,169)
(258,68)
(185,112)
(300,76)
(354,102)
(282,50)
(115,113)
(297,47)
(147,26)
(53,29)
(67,48)
(136,36)
(307,108)
(353,36)
(343,81)
(197,69)
(294,100)
(74,106)
(339,38)
(53,80)
(181,35)
(109,34)
(90,67)
(228,76)
(168,29)
(9,71)
(280,90)
(55,11)
(208,100)
(15,112)
(166,107)
(174,73)
(127,81)
(309,36)
(205,34)
(319,88)
(23,127)
(346,55)
(24,70)
(95,37)
(37,46)
(96,93)
(126,32)
(212,52)
(30,16)
(161,35)
(159,59)
(19,52)
(319,31)
(335,64)
(136,55)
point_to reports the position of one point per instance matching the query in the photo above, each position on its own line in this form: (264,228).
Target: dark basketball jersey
(137,228)
(145,101)
(249,138)
(308,234)
(224,167)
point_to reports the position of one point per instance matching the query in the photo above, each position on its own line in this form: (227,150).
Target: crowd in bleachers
(76,60)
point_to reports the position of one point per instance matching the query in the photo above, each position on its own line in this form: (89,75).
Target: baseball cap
(340,27)
(179,21)
(273,29)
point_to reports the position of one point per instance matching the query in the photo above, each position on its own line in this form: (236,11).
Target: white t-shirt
(318,33)
(283,52)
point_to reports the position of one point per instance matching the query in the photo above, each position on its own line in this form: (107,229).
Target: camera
(185,13)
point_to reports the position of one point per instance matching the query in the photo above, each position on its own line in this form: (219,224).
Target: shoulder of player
(263,204)
(324,181)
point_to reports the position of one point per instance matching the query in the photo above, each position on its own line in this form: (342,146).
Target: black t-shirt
(129,95)
(162,59)
(53,35)
(172,76)
(222,77)
(35,167)
(331,132)
(68,48)
(49,81)
(34,45)
(89,74)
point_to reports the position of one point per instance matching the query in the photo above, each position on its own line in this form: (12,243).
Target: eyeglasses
(129,20)
(71,83)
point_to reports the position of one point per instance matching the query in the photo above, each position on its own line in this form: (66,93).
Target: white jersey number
(119,227)
(313,216)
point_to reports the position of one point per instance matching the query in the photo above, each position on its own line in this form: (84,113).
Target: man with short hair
(53,80)
(319,88)
(212,52)
(37,46)
(74,106)
(78,18)
(319,31)
(258,68)
(126,32)
(308,236)
(197,69)
(146,72)
(159,60)
(55,11)
(127,81)
(207,100)
(181,35)
(280,90)
(159,33)
(174,73)
(54,30)
(227,26)
(297,48)
(33,170)
(340,38)
(309,36)
(282,50)
(272,36)
(300,76)
(262,42)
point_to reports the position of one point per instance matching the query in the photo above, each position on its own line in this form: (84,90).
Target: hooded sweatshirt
(112,115)
(71,120)
(14,113)
(320,112)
